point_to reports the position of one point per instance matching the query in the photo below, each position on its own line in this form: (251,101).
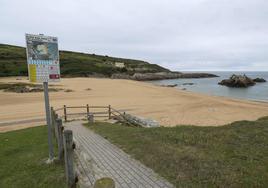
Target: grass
(22,160)
(13,63)
(234,155)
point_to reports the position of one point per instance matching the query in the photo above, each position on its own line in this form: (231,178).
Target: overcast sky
(178,34)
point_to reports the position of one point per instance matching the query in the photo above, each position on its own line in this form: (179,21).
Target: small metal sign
(42,58)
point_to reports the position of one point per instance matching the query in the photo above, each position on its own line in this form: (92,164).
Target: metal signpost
(43,66)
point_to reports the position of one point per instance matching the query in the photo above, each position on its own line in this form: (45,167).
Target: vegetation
(27,88)
(22,159)
(234,155)
(10,86)
(13,63)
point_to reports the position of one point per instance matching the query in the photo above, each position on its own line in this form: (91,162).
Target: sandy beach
(169,106)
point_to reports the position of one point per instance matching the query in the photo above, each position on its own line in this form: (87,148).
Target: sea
(210,86)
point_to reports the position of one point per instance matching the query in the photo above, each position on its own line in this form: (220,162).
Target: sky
(182,35)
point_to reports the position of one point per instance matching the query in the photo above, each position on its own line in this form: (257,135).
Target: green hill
(13,63)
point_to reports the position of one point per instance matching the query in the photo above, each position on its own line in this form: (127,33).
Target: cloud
(182,35)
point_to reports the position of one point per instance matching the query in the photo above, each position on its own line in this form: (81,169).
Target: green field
(234,155)
(22,160)
(13,63)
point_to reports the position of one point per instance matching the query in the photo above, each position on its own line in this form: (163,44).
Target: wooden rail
(107,112)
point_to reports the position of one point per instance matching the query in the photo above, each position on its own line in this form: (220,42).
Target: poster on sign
(42,58)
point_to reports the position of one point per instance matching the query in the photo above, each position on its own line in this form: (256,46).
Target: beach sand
(169,106)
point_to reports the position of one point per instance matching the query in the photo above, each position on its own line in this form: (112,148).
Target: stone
(139,121)
(259,80)
(104,183)
(238,81)
(188,84)
(170,85)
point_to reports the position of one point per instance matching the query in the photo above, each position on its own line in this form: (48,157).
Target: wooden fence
(66,146)
(71,112)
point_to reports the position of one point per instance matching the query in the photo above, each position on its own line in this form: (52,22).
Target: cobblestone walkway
(96,158)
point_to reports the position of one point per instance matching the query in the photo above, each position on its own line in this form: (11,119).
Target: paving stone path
(96,157)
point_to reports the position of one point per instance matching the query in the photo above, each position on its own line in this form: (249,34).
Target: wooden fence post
(90,118)
(65,113)
(69,159)
(55,126)
(87,110)
(60,138)
(52,114)
(109,111)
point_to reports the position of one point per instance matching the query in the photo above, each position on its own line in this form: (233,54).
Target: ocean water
(210,86)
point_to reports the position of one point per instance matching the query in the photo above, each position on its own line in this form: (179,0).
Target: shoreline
(210,86)
(168,106)
(211,95)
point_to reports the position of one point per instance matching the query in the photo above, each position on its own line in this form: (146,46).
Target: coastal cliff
(161,76)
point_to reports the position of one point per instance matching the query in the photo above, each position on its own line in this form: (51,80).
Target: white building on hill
(119,64)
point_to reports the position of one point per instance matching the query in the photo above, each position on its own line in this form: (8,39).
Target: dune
(169,106)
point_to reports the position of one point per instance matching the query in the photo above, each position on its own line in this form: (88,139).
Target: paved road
(96,158)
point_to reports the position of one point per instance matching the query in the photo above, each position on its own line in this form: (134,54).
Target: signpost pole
(50,145)
(43,66)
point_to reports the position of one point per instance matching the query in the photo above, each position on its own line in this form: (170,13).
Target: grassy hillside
(13,63)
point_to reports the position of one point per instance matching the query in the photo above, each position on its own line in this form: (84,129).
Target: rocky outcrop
(162,76)
(139,121)
(121,76)
(259,80)
(238,81)
(197,75)
(154,76)
(188,84)
(170,85)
